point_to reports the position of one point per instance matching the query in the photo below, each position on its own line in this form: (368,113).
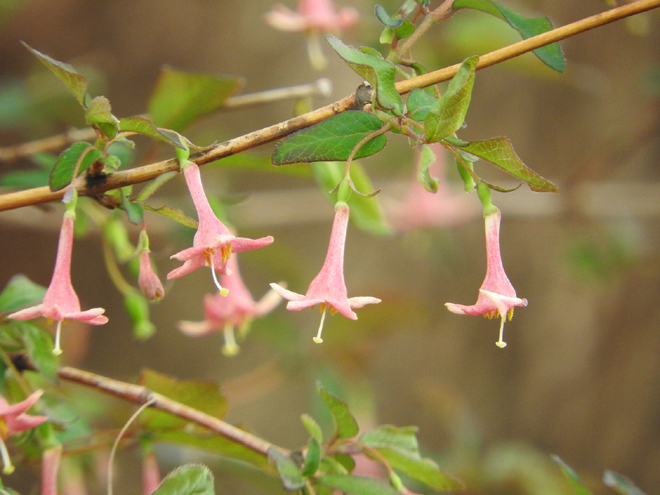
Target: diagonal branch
(141,395)
(268,134)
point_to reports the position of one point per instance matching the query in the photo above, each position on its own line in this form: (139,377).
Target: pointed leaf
(528,27)
(448,113)
(380,73)
(366,212)
(571,476)
(181,97)
(99,114)
(422,469)
(357,485)
(424,176)
(332,139)
(134,211)
(392,437)
(345,424)
(141,125)
(291,477)
(621,484)
(187,480)
(20,291)
(419,104)
(39,347)
(80,155)
(312,427)
(76,83)
(312,458)
(385,19)
(174,214)
(499,151)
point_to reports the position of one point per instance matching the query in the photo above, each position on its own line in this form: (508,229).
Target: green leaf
(424,176)
(385,19)
(419,104)
(39,346)
(204,396)
(80,155)
(174,214)
(181,97)
(99,114)
(571,476)
(187,480)
(332,139)
(621,484)
(20,291)
(393,437)
(312,458)
(380,73)
(134,211)
(76,83)
(499,151)
(366,212)
(421,469)
(312,427)
(357,485)
(345,424)
(405,29)
(448,113)
(141,125)
(551,54)
(291,477)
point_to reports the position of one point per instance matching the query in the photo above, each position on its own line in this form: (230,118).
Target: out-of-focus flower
(497,297)
(61,301)
(422,209)
(213,243)
(148,281)
(313,17)
(14,420)
(50,465)
(329,288)
(231,312)
(150,473)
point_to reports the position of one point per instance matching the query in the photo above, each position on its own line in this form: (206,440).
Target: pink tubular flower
(234,311)
(150,473)
(497,297)
(14,420)
(317,15)
(213,242)
(329,288)
(148,281)
(50,464)
(61,302)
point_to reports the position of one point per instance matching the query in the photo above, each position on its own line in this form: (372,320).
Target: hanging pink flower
(50,465)
(150,473)
(314,17)
(14,420)
(61,301)
(234,311)
(422,209)
(213,243)
(318,15)
(497,297)
(329,288)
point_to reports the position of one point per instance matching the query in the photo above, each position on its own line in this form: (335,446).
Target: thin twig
(140,395)
(256,138)
(321,87)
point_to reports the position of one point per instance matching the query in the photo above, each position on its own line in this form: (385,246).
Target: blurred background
(580,377)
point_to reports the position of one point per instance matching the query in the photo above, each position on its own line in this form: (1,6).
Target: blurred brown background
(581,375)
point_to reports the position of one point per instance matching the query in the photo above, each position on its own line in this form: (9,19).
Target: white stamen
(57,350)
(9,467)
(500,343)
(223,291)
(231,347)
(318,338)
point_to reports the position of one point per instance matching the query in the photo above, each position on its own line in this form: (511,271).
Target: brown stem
(248,141)
(141,395)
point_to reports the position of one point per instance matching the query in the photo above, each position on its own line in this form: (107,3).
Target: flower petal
(287,294)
